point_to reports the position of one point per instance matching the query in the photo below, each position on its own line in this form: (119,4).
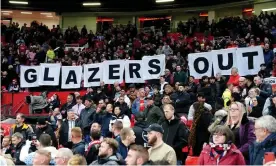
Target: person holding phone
(265,131)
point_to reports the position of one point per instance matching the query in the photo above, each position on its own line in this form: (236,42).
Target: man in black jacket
(44,128)
(18,142)
(65,107)
(175,132)
(65,129)
(182,100)
(152,113)
(265,88)
(93,148)
(138,128)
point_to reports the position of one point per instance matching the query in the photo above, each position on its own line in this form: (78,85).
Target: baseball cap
(155,127)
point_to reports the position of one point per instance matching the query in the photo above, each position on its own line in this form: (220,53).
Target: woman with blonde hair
(77,160)
(241,126)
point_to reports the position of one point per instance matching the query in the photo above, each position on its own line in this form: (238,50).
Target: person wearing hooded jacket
(138,128)
(107,153)
(175,132)
(78,143)
(152,113)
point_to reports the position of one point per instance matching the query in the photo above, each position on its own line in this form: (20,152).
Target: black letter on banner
(94,72)
(133,69)
(250,56)
(152,64)
(206,65)
(46,75)
(33,76)
(112,71)
(230,61)
(73,79)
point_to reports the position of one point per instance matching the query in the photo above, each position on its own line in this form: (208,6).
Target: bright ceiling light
(163,1)
(269,9)
(49,16)
(92,4)
(6,11)
(46,13)
(19,2)
(26,13)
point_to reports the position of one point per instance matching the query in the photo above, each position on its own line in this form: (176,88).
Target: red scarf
(91,144)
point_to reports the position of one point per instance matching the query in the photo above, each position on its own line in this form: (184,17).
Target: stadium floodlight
(163,1)
(269,9)
(91,4)
(6,11)
(26,13)
(46,13)
(19,2)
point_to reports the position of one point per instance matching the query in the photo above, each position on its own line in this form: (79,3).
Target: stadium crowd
(232,117)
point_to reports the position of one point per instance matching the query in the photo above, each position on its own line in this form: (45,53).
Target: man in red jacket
(234,77)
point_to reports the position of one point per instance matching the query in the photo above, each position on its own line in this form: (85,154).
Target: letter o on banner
(200,64)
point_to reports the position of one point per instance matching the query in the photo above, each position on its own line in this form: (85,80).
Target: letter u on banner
(153,66)
(200,64)
(113,71)
(92,74)
(49,74)
(224,60)
(71,77)
(133,71)
(29,76)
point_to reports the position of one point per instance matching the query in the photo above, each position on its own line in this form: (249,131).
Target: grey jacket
(112,160)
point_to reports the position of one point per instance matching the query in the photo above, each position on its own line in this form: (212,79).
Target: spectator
(44,128)
(104,120)
(118,116)
(152,113)
(268,56)
(77,160)
(234,77)
(21,127)
(180,75)
(175,132)
(6,147)
(124,107)
(117,126)
(137,155)
(93,147)
(65,129)
(14,87)
(18,143)
(242,127)
(221,150)
(265,88)
(44,143)
(54,102)
(78,144)
(159,150)
(138,128)
(139,104)
(125,98)
(78,107)
(162,83)
(227,95)
(62,157)
(127,137)
(42,157)
(264,72)
(200,99)
(68,105)
(182,100)
(265,139)
(107,153)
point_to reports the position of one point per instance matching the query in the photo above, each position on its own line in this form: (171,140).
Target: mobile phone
(269,156)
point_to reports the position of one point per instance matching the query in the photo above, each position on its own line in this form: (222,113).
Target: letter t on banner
(249,60)
(200,64)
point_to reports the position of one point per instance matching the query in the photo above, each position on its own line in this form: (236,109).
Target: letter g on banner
(29,76)
(200,64)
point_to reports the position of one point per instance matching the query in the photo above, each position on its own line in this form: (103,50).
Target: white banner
(224,60)
(249,60)
(29,76)
(133,72)
(153,66)
(200,64)
(49,74)
(93,74)
(270,80)
(113,71)
(71,77)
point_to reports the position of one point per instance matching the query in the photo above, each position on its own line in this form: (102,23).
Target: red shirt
(142,105)
(234,80)
(22,48)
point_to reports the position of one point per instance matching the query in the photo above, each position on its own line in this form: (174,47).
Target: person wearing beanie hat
(43,127)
